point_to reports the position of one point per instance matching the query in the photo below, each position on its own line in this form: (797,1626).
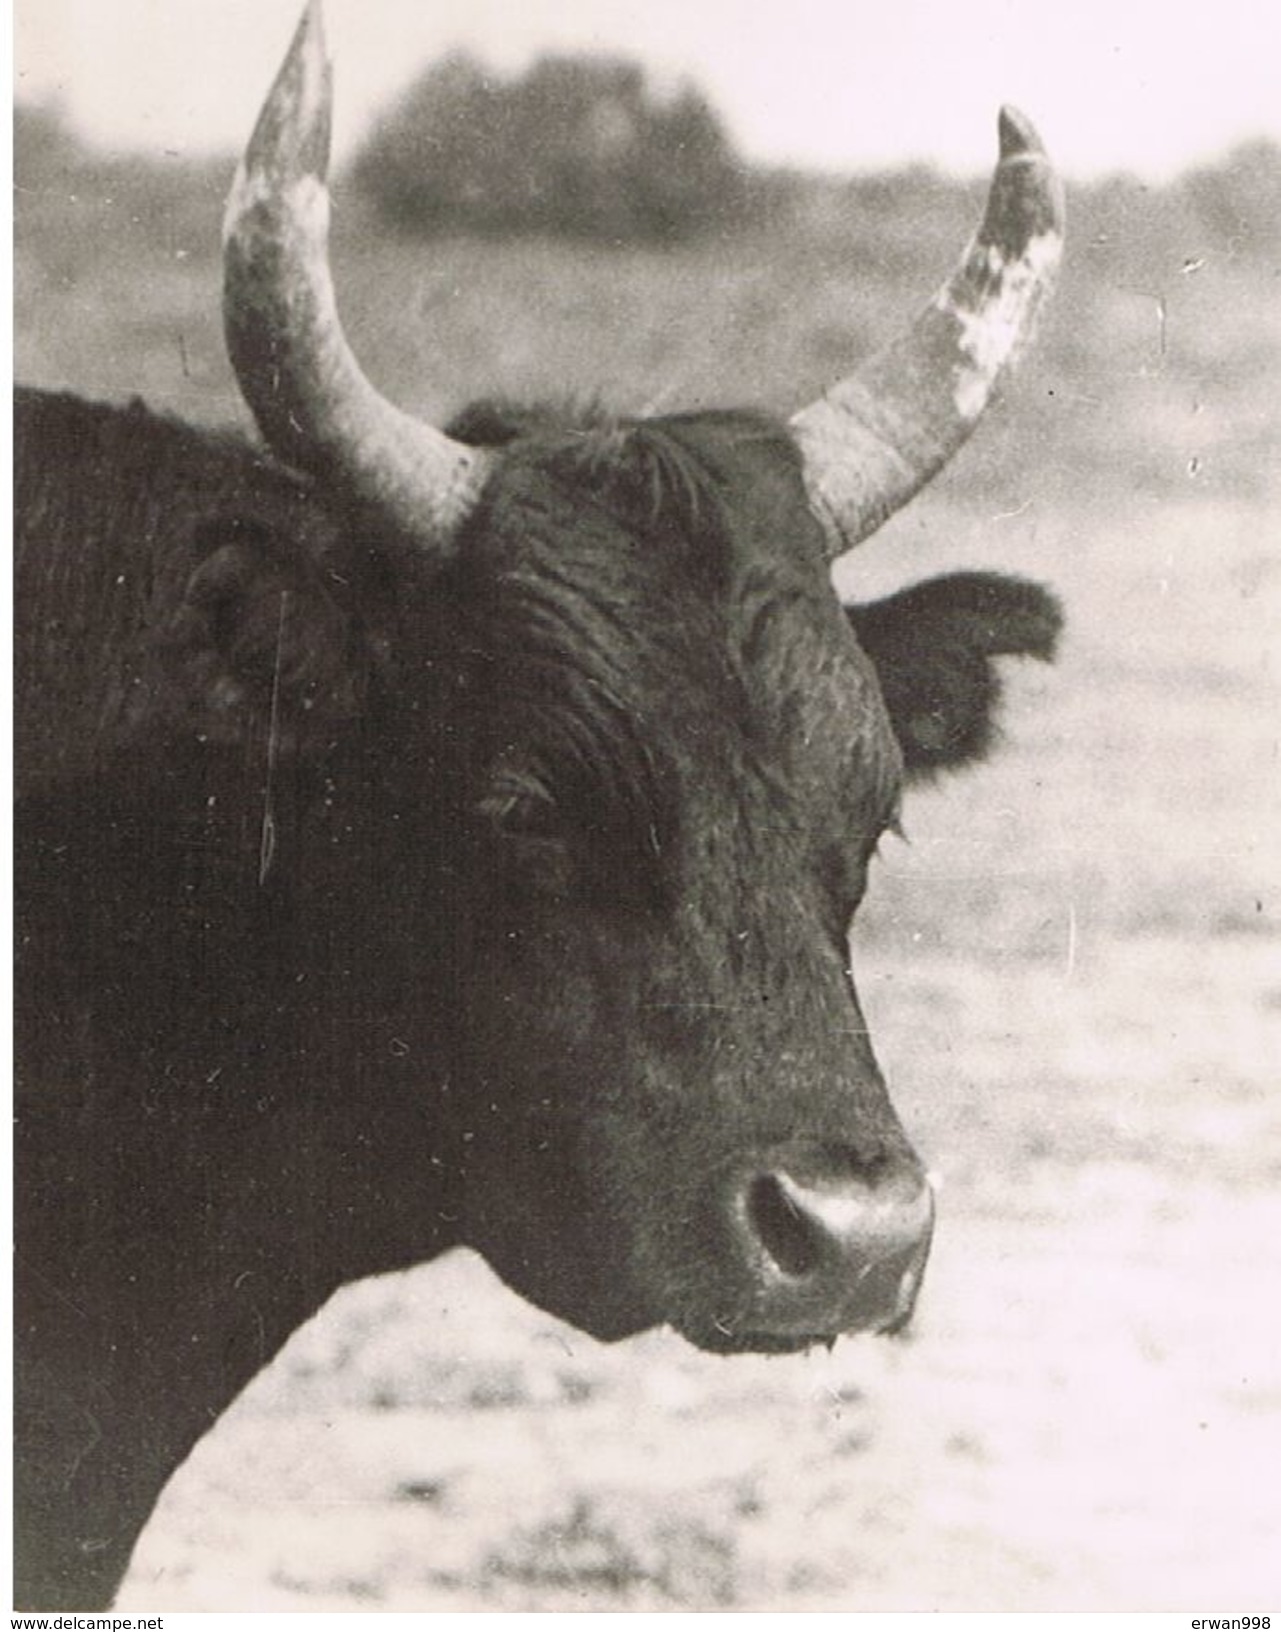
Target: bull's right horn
(870,442)
(314,406)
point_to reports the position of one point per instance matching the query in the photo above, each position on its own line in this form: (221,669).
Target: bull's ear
(934,647)
(262,634)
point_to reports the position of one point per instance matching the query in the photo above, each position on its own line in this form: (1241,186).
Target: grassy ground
(1071,971)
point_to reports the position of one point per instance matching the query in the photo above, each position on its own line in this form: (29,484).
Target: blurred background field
(1071,969)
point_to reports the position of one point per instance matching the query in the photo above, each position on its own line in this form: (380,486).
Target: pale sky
(1144,85)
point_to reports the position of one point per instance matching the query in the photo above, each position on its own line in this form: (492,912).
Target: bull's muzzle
(835,1244)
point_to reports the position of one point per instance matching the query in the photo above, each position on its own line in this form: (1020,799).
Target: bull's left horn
(873,440)
(314,406)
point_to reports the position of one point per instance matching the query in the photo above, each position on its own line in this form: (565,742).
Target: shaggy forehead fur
(650,612)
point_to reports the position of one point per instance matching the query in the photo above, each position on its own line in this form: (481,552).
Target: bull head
(667,760)
(869,443)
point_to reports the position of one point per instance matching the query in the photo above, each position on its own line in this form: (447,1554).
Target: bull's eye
(533,856)
(521,807)
(518,802)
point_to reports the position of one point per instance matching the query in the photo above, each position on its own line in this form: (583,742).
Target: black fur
(369,906)
(934,645)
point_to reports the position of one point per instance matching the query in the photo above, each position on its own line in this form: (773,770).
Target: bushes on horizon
(169,201)
(576,146)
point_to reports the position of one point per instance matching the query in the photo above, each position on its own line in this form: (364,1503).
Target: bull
(430,838)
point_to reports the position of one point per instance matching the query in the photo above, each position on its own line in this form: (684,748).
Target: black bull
(375,899)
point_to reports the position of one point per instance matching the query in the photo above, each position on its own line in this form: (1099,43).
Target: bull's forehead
(656,603)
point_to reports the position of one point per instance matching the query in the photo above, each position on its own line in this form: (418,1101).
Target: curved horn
(314,406)
(870,442)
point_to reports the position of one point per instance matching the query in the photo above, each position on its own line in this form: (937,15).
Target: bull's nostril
(787,1235)
(829,1239)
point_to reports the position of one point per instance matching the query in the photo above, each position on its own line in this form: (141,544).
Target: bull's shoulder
(74,456)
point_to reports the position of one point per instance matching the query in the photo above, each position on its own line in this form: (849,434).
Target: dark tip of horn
(293,126)
(1018,134)
(311,26)
(310,33)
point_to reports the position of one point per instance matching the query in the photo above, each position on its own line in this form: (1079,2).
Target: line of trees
(577,146)
(585,148)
